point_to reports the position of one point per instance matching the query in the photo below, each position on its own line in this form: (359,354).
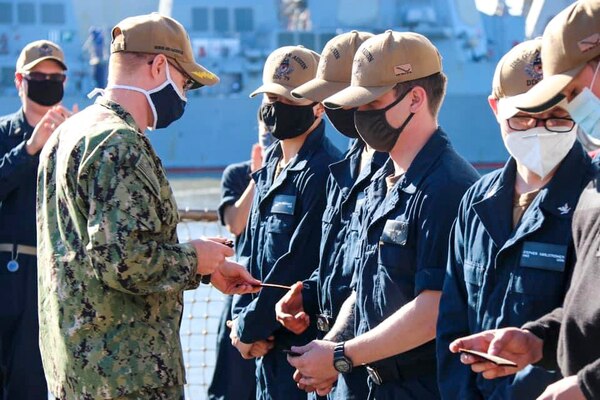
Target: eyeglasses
(553,124)
(40,76)
(189,82)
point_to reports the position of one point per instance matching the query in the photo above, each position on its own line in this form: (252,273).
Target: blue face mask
(166,102)
(585,110)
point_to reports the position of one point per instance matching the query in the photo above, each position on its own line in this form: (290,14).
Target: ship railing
(202,309)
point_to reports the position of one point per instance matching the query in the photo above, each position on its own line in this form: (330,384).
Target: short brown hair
(434,85)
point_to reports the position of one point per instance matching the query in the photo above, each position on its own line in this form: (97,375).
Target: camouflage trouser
(164,393)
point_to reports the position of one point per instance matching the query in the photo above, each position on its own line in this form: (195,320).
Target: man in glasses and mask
(318,299)
(398,86)
(111,270)
(511,250)
(281,241)
(568,336)
(39,78)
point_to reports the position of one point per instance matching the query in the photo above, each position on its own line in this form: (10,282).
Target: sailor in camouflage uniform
(111,270)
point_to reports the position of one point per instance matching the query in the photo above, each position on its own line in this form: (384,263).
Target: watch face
(342,365)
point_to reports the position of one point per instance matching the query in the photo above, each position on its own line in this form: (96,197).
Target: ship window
(323,39)
(244,20)
(52,13)
(200,18)
(7,77)
(26,13)
(286,39)
(307,40)
(221,19)
(6,13)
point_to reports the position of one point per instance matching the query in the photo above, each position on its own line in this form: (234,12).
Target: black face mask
(373,127)
(45,93)
(285,121)
(343,121)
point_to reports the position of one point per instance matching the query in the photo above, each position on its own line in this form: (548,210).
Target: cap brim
(318,89)
(32,64)
(355,96)
(275,88)
(506,108)
(545,94)
(199,74)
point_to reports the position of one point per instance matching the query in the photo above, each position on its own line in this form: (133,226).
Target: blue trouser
(274,377)
(21,372)
(418,388)
(234,378)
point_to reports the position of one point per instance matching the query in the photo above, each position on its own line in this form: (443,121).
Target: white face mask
(585,110)
(538,149)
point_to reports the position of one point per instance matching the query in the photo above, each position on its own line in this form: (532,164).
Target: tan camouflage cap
(158,34)
(334,72)
(38,51)
(517,72)
(571,39)
(384,61)
(287,68)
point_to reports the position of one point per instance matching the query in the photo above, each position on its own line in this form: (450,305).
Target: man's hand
(565,389)
(315,365)
(290,312)
(243,348)
(211,254)
(518,345)
(53,118)
(262,347)
(233,278)
(249,350)
(256,158)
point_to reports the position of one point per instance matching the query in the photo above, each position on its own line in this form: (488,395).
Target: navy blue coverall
(498,276)
(281,245)
(329,285)
(239,381)
(21,372)
(404,252)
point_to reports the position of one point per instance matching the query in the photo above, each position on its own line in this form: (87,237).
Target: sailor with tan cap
(398,86)
(569,335)
(282,237)
(111,270)
(319,298)
(513,225)
(39,78)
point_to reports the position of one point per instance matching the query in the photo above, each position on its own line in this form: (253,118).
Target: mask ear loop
(595,75)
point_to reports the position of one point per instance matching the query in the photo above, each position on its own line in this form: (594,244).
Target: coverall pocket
(473,280)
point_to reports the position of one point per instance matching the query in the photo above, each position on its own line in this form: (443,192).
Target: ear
(18,81)
(158,65)
(493,102)
(418,99)
(319,110)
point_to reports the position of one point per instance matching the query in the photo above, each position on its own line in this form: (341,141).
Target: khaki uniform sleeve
(132,225)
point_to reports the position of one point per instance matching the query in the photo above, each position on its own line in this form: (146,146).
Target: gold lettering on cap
(403,69)
(589,43)
(203,75)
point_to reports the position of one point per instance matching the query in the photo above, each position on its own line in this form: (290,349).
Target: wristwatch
(341,363)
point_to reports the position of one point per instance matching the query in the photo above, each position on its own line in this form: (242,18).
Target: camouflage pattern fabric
(170,393)
(111,271)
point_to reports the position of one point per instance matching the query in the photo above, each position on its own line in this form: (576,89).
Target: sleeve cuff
(189,254)
(549,356)
(225,202)
(429,279)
